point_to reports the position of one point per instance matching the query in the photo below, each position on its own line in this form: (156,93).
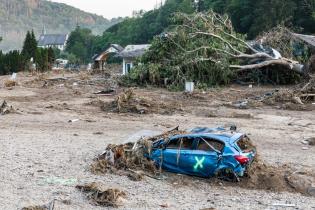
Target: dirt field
(43,155)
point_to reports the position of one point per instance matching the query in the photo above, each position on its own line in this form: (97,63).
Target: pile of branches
(204,47)
(301,95)
(129,102)
(126,159)
(300,98)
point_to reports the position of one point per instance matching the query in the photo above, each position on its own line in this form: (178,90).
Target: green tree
(10,62)
(270,13)
(80,43)
(43,59)
(29,46)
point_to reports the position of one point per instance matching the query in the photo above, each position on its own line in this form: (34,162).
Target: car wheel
(228,174)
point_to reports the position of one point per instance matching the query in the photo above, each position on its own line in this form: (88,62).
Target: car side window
(204,146)
(215,145)
(183,143)
(187,143)
(173,144)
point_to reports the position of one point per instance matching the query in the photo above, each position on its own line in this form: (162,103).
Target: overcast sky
(111,8)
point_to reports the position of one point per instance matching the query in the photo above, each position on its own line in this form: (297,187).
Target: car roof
(223,137)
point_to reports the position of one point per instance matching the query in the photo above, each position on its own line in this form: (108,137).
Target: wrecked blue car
(205,152)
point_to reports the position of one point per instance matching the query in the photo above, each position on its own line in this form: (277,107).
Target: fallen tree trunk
(298,68)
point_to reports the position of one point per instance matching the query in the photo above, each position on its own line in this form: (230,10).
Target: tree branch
(294,67)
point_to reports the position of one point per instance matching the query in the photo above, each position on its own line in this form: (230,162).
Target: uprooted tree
(204,47)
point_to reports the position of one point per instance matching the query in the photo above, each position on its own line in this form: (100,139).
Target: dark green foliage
(11,62)
(173,58)
(51,56)
(80,44)
(254,17)
(44,59)
(41,59)
(248,17)
(204,48)
(29,46)
(141,30)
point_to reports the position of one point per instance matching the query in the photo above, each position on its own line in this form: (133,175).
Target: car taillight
(241,159)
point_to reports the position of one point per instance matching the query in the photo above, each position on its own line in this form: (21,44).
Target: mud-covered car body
(204,152)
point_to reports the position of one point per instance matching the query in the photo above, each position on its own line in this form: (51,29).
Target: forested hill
(18,16)
(249,17)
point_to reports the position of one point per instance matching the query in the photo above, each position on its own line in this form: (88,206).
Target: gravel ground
(40,149)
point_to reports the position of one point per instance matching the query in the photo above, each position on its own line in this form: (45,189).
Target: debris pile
(35,208)
(130,102)
(296,99)
(49,206)
(124,159)
(10,83)
(5,108)
(302,97)
(99,195)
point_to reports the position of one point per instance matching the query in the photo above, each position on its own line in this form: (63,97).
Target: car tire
(227,174)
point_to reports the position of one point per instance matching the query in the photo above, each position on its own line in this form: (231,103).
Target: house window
(128,67)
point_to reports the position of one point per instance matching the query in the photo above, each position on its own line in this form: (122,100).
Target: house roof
(113,48)
(133,51)
(52,39)
(306,38)
(117,47)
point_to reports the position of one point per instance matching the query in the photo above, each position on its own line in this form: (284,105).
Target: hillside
(18,16)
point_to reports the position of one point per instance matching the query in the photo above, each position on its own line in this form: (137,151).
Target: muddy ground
(43,155)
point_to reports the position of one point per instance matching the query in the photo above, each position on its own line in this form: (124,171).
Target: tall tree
(80,44)
(29,46)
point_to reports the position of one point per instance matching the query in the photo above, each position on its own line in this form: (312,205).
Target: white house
(130,54)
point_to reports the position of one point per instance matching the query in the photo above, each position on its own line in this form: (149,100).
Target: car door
(205,159)
(186,157)
(170,155)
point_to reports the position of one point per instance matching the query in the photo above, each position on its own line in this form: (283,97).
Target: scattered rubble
(49,206)
(10,83)
(100,195)
(311,141)
(5,108)
(35,208)
(130,102)
(106,92)
(299,98)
